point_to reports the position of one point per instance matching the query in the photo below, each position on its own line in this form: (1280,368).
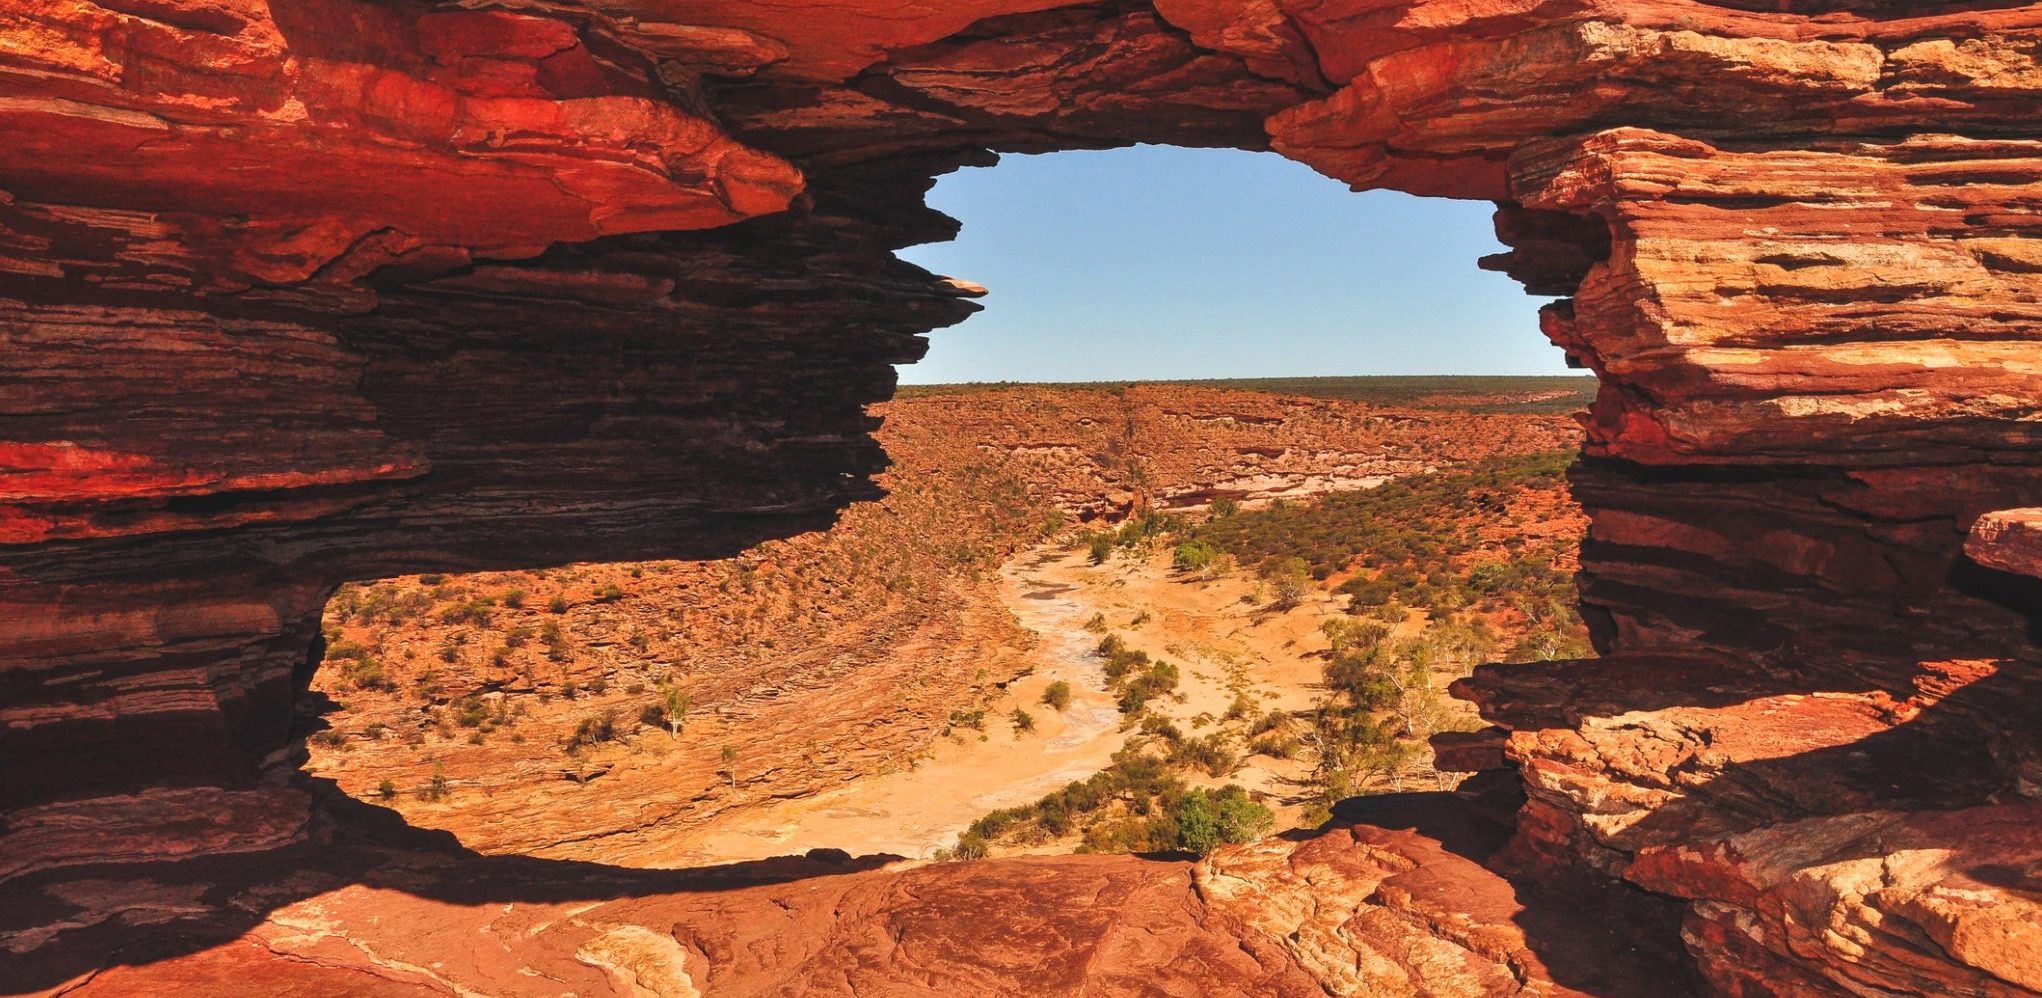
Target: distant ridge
(1475,393)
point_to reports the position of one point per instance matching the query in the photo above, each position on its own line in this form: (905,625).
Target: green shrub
(1195,556)
(1207,821)
(1140,688)
(671,710)
(1276,746)
(969,846)
(1058,696)
(557,647)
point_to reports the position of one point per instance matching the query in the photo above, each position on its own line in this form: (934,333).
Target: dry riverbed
(1220,631)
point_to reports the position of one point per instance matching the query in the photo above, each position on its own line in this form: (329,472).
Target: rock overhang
(299,291)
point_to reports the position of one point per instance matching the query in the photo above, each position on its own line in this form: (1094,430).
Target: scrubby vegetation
(1133,676)
(1439,551)
(1421,542)
(1431,569)
(1440,575)
(1138,804)
(604,655)
(359,666)
(1138,535)
(1413,520)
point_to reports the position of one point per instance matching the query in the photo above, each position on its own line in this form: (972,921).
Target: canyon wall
(294,292)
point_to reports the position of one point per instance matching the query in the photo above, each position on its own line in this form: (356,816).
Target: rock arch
(297,291)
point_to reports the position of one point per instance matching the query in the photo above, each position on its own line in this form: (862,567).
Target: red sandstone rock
(1470,751)
(2009,540)
(297,293)
(1757,344)
(410,132)
(1921,903)
(1406,910)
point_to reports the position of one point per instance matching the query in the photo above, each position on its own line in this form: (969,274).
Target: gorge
(297,293)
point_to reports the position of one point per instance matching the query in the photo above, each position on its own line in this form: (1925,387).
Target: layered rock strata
(300,291)
(1399,905)
(2009,540)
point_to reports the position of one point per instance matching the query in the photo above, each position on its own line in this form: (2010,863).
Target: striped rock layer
(294,292)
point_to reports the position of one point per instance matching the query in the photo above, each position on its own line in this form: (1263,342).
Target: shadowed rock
(294,292)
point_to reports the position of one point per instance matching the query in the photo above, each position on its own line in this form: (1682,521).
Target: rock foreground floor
(1401,906)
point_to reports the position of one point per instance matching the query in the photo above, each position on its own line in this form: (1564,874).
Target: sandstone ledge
(2009,540)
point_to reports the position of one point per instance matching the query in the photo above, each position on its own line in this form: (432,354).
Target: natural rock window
(296,293)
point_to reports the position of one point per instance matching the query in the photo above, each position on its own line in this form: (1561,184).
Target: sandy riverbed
(1219,631)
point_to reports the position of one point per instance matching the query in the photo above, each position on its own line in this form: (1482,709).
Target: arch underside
(294,292)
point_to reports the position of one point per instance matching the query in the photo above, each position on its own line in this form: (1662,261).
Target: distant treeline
(1565,393)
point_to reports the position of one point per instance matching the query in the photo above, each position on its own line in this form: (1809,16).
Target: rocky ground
(1399,905)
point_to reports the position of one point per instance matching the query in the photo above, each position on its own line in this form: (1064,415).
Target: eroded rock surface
(1403,906)
(294,292)
(2009,540)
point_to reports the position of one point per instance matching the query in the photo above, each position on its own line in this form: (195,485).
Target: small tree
(1290,579)
(1058,696)
(730,765)
(1023,721)
(673,708)
(1353,751)
(1362,666)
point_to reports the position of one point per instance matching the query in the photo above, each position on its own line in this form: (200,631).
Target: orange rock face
(293,293)
(2009,540)
(1403,905)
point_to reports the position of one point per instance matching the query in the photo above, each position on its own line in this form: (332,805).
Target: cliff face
(294,292)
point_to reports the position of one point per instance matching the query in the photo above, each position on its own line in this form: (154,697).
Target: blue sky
(1157,262)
